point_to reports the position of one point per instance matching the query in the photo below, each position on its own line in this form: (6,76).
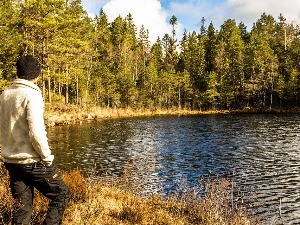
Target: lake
(260,153)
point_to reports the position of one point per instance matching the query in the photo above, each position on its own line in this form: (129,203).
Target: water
(260,153)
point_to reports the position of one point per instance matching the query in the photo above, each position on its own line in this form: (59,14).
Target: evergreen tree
(193,58)
(145,76)
(154,70)
(293,88)
(210,45)
(229,63)
(11,41)
(173,22)
(264,68)
(104,83)
(87,61)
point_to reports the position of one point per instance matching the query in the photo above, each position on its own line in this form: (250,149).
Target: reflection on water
(261,153)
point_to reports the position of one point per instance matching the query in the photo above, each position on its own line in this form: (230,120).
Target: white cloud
(146,12)
(190,12)
(93,6)
(250,11)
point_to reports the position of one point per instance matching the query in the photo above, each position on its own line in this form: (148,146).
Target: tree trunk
(49,86)
(67,85)
(77,90)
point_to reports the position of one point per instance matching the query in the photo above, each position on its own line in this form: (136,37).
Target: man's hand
(48,160)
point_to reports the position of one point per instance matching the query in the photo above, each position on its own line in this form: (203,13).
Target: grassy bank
(58,114)
(115,201)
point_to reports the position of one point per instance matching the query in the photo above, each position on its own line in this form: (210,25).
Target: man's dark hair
(28,67)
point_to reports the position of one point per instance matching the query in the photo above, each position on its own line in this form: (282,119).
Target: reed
(6,200)
(116,201)
(57,113)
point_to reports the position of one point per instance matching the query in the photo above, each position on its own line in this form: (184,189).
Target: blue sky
(155,14)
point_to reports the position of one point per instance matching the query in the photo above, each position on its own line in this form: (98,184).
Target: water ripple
(260,153)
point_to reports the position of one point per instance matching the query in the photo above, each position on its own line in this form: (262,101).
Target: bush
(109,201)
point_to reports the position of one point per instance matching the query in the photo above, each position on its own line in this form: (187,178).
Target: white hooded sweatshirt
(23,137)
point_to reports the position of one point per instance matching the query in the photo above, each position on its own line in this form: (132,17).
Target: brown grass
(58,113)
(115,201)
(6,200)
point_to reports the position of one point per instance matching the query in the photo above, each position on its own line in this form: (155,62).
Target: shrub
(115,200)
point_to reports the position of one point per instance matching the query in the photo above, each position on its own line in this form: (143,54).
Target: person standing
(24,146)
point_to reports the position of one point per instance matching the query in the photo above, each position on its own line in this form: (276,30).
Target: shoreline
(120,200)
(60,114)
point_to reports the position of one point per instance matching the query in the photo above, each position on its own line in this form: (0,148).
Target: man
(24,146)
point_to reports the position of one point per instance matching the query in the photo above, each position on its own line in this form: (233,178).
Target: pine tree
(104,84)
(11,41)
(265,67)
(229,63)
(154,70)
(192,58)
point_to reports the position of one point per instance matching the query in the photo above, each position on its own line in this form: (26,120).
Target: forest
(92,62)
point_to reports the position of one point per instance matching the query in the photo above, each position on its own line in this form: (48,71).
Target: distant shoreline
(60,114)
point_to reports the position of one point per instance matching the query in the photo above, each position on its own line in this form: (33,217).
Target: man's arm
(37,129)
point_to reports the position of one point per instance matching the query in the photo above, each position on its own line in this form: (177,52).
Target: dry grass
(115,201)
(58,113)
(6,200)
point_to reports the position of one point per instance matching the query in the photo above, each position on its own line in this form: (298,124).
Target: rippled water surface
(261,153)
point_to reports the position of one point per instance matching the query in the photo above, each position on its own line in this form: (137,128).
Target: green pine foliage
(91,62)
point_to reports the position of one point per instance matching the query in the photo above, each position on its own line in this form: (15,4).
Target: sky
(155,14)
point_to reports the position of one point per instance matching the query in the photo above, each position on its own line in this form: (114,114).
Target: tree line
(89,61)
